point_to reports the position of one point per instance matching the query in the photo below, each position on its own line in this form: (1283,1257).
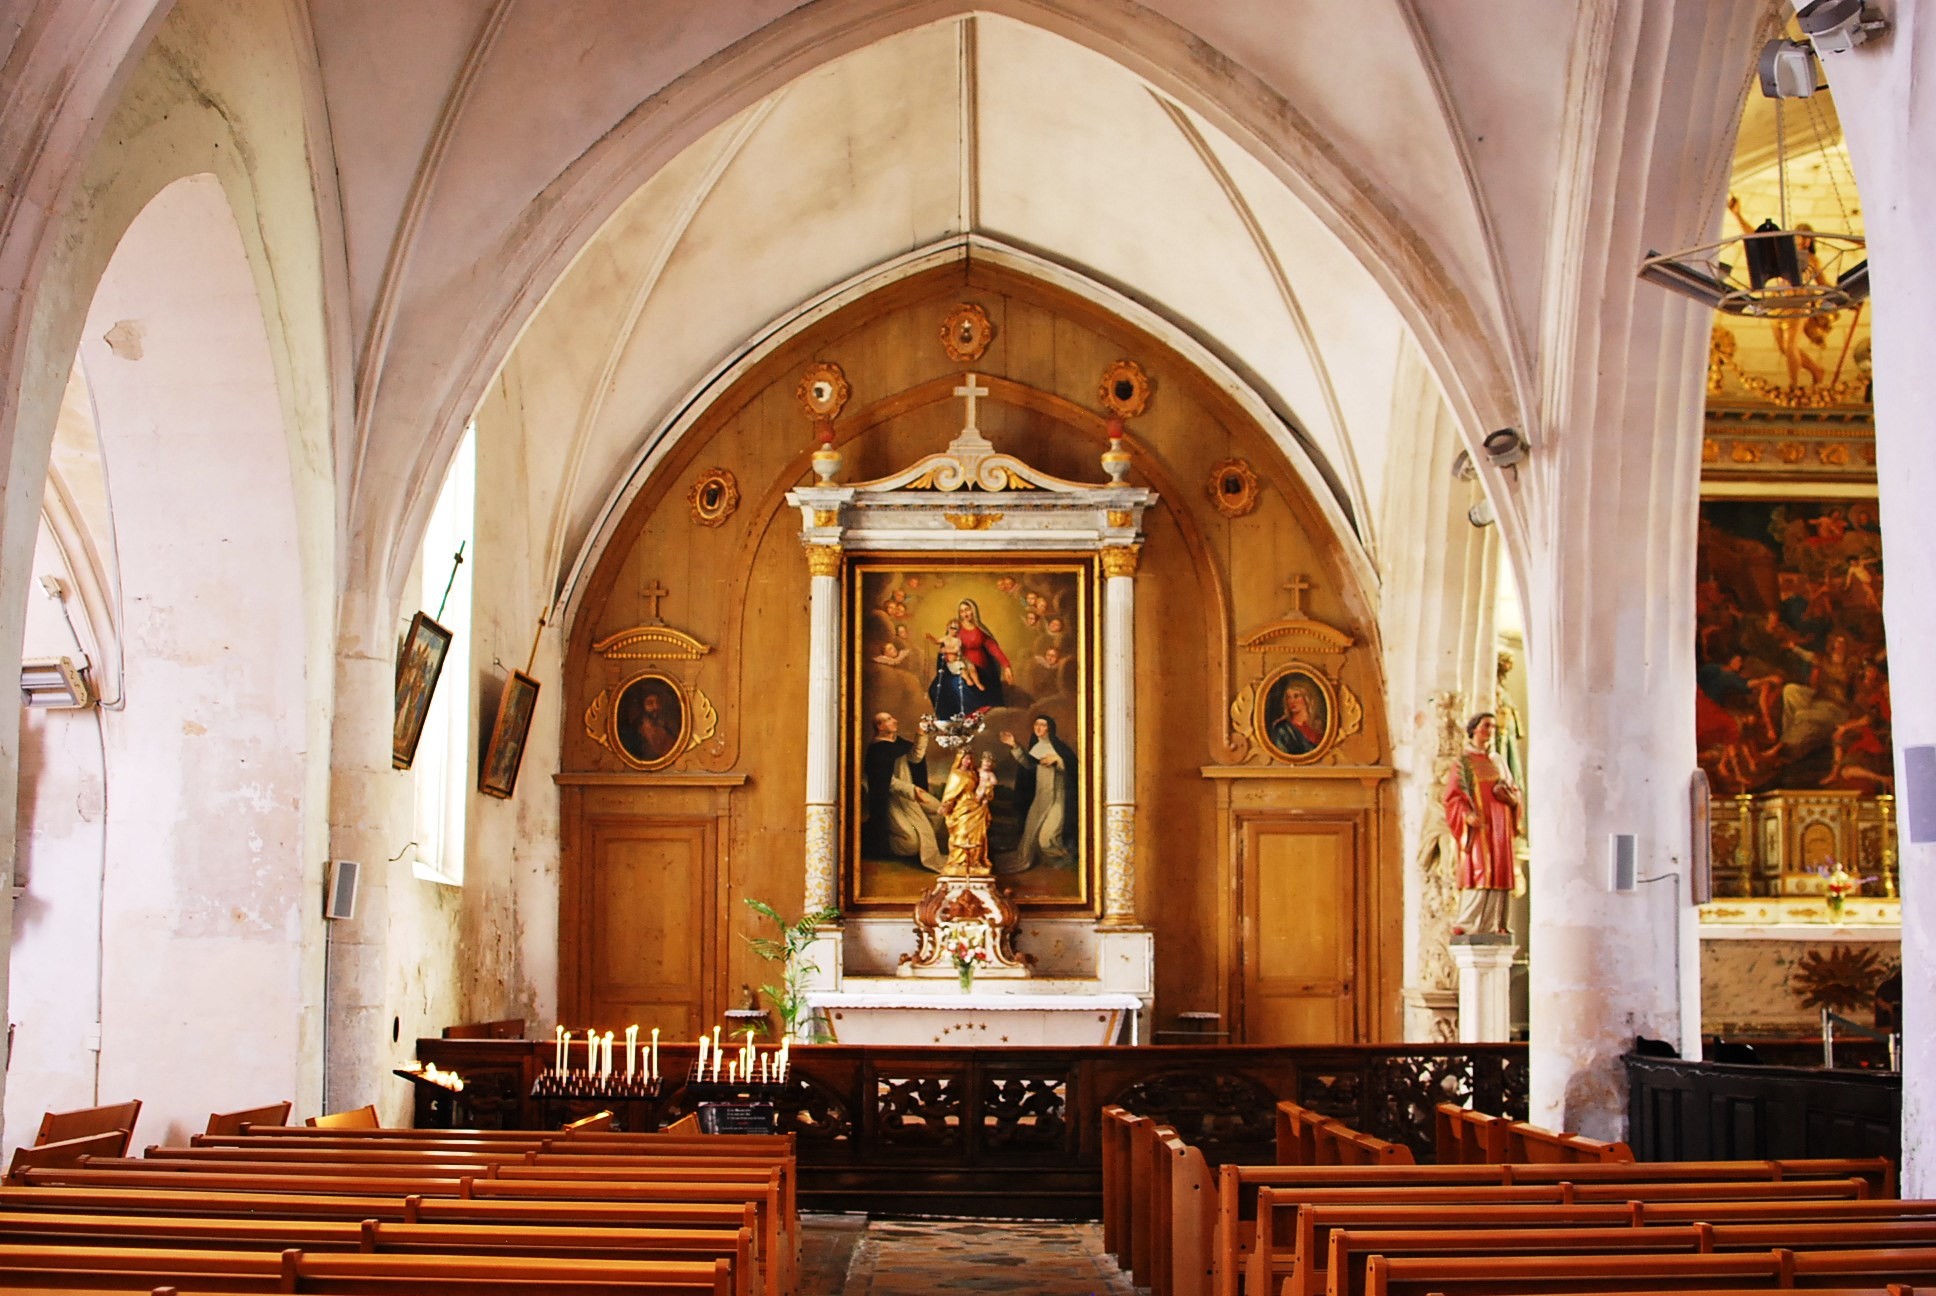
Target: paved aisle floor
(848,1255)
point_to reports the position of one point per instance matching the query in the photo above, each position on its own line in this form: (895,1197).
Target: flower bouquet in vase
(967,943)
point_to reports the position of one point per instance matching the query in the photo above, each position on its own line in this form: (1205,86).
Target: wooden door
(649,952)
(1300,930)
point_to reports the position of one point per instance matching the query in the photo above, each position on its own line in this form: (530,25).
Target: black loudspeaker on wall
(340,900)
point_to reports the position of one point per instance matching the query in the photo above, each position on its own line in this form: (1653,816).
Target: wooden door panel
(648,923)
(1300,929)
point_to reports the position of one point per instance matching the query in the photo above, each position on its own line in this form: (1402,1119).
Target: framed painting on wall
(419,663)
(1010,639)
(1792,674)
(650,721)
(498,775)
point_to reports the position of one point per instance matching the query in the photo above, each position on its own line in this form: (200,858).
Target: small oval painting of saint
(649,722)
(1295,716)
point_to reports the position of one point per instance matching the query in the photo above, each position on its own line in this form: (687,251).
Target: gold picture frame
(1037,612)
(1297,719)
(640,732)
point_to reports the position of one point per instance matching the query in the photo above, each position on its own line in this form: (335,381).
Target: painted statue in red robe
(1482,810)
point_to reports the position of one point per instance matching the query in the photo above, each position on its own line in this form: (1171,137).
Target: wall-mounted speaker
(1623,852)
(1918,793)
(339,901)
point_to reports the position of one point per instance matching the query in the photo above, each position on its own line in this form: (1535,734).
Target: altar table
(974,1020)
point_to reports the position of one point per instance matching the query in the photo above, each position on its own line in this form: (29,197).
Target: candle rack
(703,1087)
(585,1084)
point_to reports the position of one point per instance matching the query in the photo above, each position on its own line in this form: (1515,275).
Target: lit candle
(715,1048)
(702,1057)
(558,1051)
(631,1051)
(607,1073)
(732,1073)
(652,1072)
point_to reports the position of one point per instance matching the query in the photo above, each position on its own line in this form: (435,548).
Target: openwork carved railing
(1015,1131)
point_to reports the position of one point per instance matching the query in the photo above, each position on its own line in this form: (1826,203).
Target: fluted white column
(823,727)
(1119,734)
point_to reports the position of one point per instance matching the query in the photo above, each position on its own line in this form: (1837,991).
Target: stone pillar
(1889,121)
(1485,987)
(823,729)
(1600,520)
(1119,734)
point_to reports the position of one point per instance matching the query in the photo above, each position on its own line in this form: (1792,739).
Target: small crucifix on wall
(1297,585)
(652,592)
(972,392)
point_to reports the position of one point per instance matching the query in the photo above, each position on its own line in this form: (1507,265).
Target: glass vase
(965,976)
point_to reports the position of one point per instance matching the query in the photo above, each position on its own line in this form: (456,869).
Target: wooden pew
(1228,1234)
(363,1117)
(31,1228)
(238,1122)
(1115,1180)
(779,1236)
(1296,1262)
(1297,1128)
(67,1152)
(1340,1145)
(1467,1137)
(1489,1275)
(1145,1219)
(1530,1143)
(492,1218)
(295,1270)
(60,1127)
(1350,1249)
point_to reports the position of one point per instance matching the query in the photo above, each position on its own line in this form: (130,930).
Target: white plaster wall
(54,962)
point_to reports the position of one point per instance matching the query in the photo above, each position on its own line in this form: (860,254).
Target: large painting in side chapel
(1012,640)
(1792,674)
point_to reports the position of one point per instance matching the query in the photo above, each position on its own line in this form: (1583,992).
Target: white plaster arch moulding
(700,397)
(1472,366)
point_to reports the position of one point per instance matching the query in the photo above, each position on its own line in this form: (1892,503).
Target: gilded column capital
(1121,560)
(823,559)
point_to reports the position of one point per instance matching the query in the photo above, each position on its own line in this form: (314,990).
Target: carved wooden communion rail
(1015,1131)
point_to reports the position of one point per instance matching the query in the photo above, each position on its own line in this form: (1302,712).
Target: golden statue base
(968,914)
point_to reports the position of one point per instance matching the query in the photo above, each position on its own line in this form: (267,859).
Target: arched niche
(660,853)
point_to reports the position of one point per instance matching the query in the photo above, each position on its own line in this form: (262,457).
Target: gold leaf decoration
(972,521)
(595,719)
(705,720)
(1352,712)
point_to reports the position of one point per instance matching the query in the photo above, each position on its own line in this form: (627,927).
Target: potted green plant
(789,997)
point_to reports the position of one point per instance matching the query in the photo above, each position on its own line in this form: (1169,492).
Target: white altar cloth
(969,1020)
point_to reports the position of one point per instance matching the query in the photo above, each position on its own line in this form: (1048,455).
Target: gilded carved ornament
(823,560)
(966,333)
(823,391)
(1233,488)
(1296,713)
(1121,560)
(713,497)
(1125,389)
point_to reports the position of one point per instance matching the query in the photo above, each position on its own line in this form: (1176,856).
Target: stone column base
(1485,987)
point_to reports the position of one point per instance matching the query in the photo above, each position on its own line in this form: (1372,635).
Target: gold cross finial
(652,592)
(1297,585)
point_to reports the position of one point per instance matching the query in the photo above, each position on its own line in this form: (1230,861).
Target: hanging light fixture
(1778,269)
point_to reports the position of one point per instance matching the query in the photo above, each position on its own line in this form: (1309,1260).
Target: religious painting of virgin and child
(1007,643)
(1792,676)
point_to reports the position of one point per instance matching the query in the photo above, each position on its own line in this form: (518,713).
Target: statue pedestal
(971,909)
(1485,986)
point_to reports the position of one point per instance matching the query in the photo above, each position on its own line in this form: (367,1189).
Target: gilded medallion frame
(1287,738)
(1061,874)
(637,739)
